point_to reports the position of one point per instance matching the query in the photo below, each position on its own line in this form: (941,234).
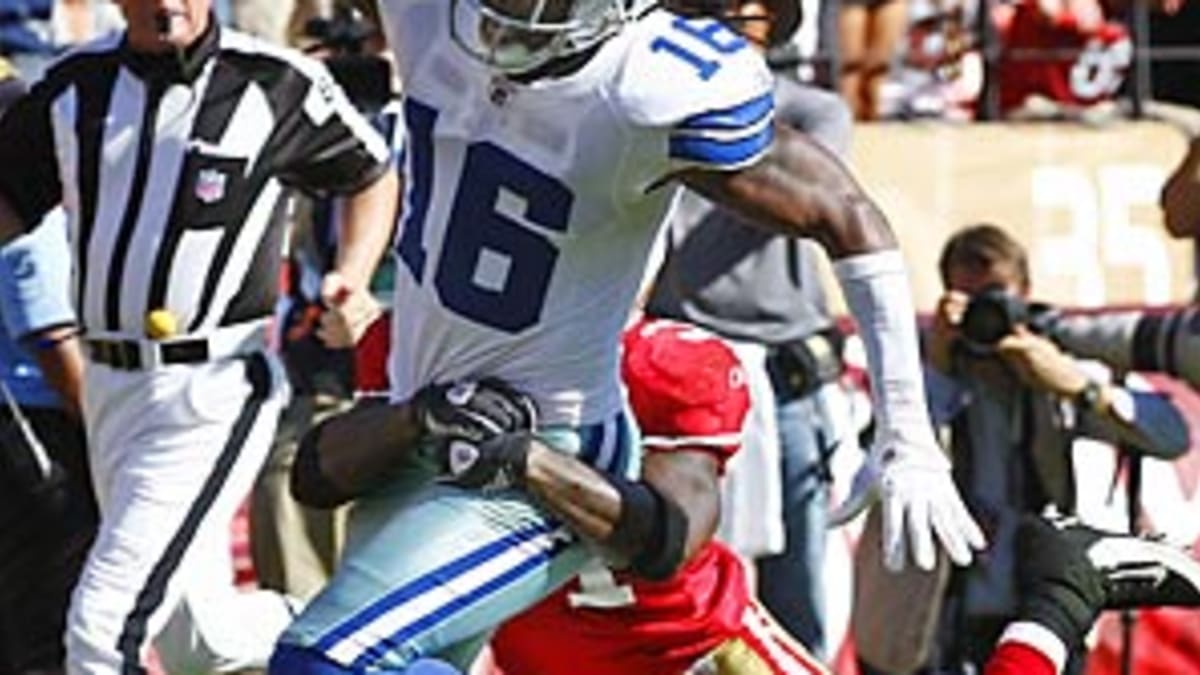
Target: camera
(1161,339)
(1164,340)
(994,313)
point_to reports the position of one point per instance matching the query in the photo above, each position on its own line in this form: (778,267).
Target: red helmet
(686,386)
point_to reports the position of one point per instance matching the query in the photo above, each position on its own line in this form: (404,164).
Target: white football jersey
(531,209)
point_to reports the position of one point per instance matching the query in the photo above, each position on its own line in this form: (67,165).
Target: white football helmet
(516,36)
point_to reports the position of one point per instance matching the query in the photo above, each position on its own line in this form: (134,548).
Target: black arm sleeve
(333,148)
(652,526)
(28,163)
(309,485)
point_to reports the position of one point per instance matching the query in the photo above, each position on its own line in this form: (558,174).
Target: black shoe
(1133,571)
(1140,571)
(1068,572)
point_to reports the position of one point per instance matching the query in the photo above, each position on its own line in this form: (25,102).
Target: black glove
(495,464)
(462,420)
(473,411)
(1060,589)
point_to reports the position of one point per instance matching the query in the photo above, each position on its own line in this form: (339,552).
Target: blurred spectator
(32,32)
(1175,23)
(869,33)
(25,34)
(1014,402)
(47,509)
(941,73)
(280,21)
(1060,59)
(811,55)
(76,21)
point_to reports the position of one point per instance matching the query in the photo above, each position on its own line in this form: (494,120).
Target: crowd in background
(948,59)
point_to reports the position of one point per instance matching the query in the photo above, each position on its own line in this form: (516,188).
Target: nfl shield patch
(210,186)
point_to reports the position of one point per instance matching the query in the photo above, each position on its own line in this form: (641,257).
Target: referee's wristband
(50,339)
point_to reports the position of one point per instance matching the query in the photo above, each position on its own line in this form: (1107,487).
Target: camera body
(994,312)
(1163,340)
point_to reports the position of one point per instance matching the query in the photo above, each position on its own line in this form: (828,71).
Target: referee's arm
(335,150)
(367,222)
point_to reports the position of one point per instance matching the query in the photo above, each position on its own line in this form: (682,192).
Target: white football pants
(174,452)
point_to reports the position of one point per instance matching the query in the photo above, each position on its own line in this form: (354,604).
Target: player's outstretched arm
(652,525)
(351,454)
(799,189)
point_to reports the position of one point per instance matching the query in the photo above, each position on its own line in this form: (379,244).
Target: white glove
(919,501)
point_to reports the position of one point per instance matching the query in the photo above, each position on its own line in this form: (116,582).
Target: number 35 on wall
(1100,205)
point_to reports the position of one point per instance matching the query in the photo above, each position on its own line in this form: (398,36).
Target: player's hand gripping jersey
(689,394)
(531,208)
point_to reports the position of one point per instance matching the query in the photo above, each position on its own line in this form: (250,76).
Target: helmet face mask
(516,36)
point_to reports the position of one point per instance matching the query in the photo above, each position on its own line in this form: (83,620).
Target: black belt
(800,367)
(127,354)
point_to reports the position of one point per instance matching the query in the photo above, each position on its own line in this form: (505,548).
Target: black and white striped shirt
(171,168)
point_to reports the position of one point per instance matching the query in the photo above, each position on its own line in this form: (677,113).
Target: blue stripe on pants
(429,581)
(460,602)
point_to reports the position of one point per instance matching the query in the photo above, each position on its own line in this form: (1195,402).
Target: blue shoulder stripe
(737,117)
(719,152)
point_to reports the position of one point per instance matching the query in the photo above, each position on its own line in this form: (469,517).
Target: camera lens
(990,315)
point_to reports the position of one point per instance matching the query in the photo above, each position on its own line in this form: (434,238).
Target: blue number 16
(493,269)
(709,33)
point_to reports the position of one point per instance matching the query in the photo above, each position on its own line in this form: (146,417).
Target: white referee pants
(174,451)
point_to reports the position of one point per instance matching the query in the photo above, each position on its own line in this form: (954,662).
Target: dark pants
(47,524)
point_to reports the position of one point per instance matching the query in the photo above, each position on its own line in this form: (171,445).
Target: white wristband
(878,295)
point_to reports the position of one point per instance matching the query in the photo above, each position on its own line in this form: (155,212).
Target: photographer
(1014,402)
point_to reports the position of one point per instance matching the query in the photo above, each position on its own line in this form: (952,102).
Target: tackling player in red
(688,393)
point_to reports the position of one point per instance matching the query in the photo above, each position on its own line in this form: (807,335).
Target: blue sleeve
(730,138)
(1154,425)
(35,278)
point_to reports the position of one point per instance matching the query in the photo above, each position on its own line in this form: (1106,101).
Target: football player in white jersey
(544,141)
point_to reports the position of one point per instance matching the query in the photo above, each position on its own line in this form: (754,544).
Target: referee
(169,146)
